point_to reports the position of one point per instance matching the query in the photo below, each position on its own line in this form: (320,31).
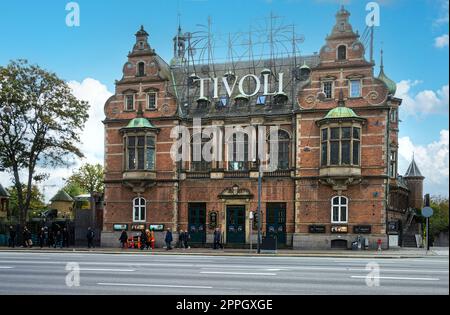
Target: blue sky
(413,33)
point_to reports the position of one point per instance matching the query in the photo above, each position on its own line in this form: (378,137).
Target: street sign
(427,212)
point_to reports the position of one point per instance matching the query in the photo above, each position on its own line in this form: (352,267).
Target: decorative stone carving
(236,193)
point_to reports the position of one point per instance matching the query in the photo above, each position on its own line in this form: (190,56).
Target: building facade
(336,133)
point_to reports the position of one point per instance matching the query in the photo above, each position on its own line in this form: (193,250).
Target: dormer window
(342,52)
(129,102)
(152,100)
(141,69)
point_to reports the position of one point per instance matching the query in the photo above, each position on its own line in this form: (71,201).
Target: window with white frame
(327,88)
(129,102)
(152,100)
(355,88)
(339,209)
(139,209)
(140,153)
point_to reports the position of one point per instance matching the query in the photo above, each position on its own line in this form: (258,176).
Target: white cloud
(441,41)
(424,102)
(432,160)
(443,13)
(92,138)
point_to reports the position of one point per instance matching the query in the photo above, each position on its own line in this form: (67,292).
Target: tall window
(394,115)
(152,100)
(393,164)
(355,88)
(342,52)
(238,158)
(340,146)
(141,69)
(283,150)
(129,102)
(140,153)
(201,165)
(327,88)
(139,209)
(339,209)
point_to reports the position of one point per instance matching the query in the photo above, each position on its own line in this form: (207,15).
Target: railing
(196,175)
(237,174)
(278,173)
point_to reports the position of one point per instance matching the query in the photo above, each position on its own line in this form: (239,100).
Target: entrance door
(276,221)
(236,224)
(197,222)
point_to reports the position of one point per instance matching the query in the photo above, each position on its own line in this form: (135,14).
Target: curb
(330,255)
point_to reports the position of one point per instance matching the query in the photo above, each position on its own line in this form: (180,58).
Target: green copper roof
(139,122)
(341,112)
(391,85)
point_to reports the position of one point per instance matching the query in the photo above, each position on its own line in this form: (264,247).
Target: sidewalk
(391,253)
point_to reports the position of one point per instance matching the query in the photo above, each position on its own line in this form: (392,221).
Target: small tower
(179,48)
(391,85)
(142,46)
(414,180)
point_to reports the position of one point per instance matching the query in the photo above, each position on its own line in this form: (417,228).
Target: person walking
(12,237)
(27,238)
(152,239)
(123,239)
(143,239)
(181,239)
(168,239)
(65,237)
(148,242)
(217,239)
(186,239)
(90,237)
(41,237)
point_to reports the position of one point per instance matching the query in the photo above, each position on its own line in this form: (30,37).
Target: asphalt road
(103,274)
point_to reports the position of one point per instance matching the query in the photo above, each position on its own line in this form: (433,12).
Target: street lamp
(258,163)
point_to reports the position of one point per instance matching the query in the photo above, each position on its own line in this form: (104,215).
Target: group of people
(146,240)
(56,237)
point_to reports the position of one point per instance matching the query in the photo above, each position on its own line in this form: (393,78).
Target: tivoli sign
(231,86)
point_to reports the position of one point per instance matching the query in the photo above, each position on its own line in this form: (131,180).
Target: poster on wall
(156,227)
(120,227)
(138,227)
(339,229)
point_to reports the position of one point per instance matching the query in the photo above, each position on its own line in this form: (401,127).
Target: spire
(391,85)
(342,28)
(413,169)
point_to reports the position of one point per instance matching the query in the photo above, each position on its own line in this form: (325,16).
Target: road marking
(113,270)
(402,270)
(152,285)
(239,273)
(6,267)
(396,278)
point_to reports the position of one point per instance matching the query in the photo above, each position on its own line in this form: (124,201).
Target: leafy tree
(89,178)
(40,125)
(439,220)
(74,189)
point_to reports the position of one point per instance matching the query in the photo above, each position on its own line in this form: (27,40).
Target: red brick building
(336,176)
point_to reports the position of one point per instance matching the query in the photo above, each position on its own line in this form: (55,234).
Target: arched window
(141,69)
(139,209)
(342,52)
(339,209)
(283,149)
(238,152)
(198,162)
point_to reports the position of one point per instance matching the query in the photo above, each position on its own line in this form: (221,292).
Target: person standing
(41,237)
(148,242)
(58,239)
(12,237)
(90,237)
(51,237)
(152,239)
(217,239)
(123,239)
(46,237)
(168,239)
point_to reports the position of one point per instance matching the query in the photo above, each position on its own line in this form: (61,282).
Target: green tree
(89,178)
(40,125)
(74,189)
(439,220)
(37,202)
